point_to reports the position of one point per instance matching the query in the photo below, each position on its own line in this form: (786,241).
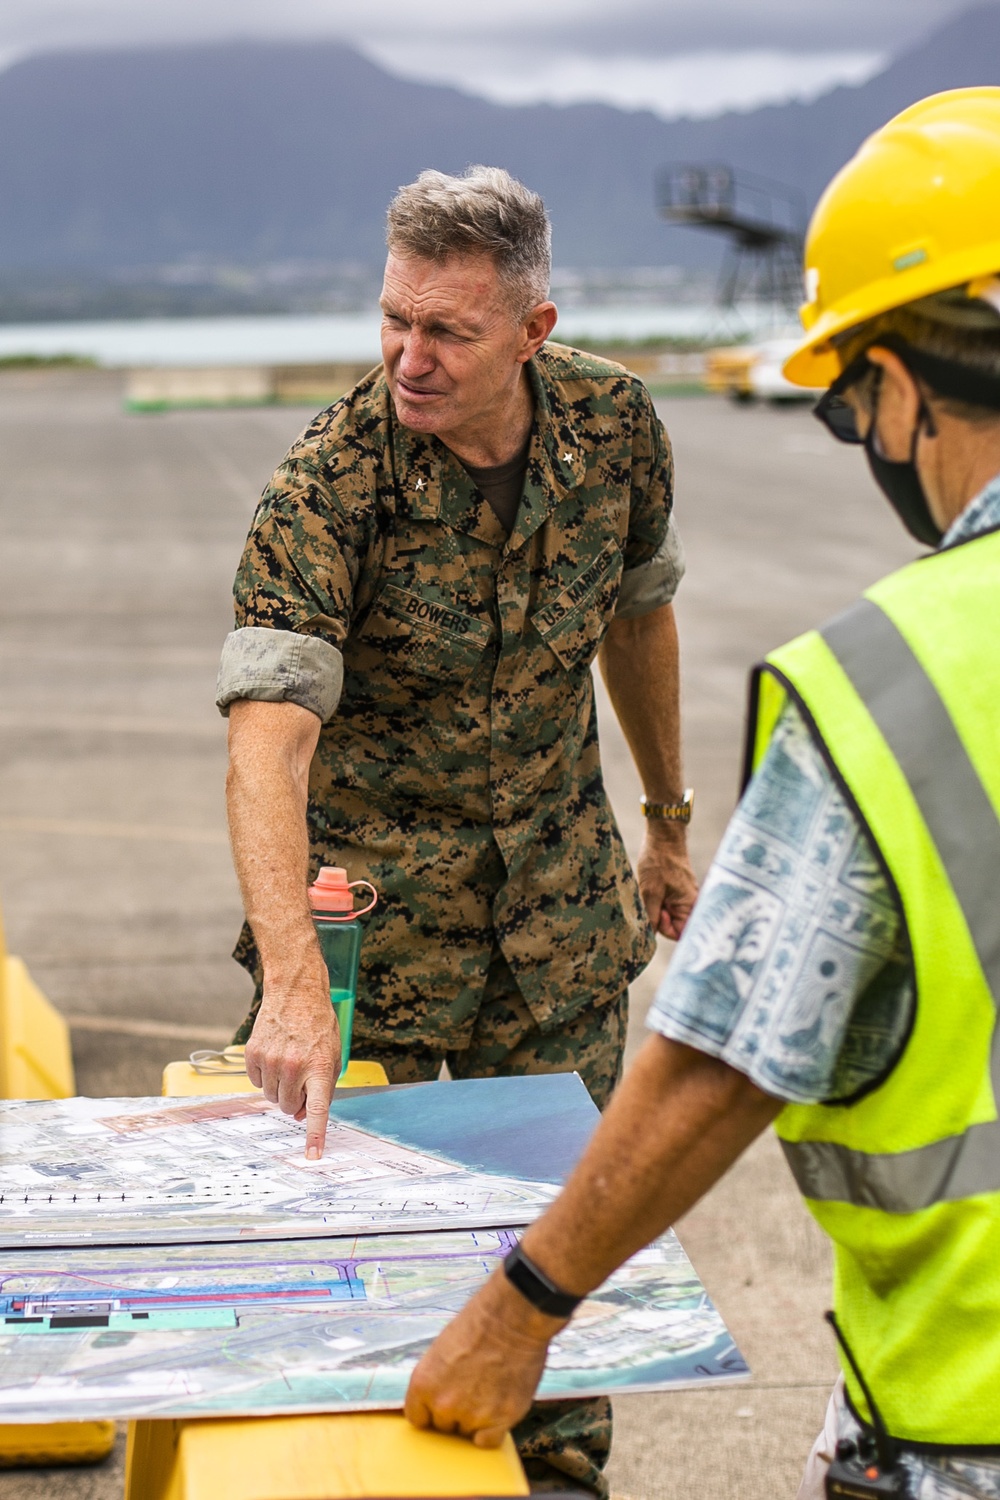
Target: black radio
(857,1474)
(868,1467)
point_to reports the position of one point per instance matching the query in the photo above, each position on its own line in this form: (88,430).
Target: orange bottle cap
(332,896)
(331,891)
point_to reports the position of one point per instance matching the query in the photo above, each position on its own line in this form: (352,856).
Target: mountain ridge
(253,152)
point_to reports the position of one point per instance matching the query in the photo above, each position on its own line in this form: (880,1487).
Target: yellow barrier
(35,1057)
(30,1444)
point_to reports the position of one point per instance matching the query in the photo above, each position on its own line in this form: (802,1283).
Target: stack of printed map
(176,1258)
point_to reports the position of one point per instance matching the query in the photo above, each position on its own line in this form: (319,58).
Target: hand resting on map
(672,1129)
(479,1376)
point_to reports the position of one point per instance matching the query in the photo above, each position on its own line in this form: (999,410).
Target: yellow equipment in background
(727,371)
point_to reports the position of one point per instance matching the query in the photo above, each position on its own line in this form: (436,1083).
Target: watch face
(671,812)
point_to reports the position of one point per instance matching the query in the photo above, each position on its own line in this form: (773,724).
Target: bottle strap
(364,910)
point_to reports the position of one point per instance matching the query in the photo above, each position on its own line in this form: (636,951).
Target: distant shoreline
(288,339)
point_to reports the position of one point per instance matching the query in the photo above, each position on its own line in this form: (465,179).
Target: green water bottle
(331,900)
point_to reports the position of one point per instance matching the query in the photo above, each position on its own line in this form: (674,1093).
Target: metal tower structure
(762,221)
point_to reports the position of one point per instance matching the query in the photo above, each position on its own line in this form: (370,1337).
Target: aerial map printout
(181,1258)
(307,1325)
(477,1153)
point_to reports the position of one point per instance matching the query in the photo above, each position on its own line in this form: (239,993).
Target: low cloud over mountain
(257,151)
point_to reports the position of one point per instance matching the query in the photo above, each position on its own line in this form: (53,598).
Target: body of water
(327,338)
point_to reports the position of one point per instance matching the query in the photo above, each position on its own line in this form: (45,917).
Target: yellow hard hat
(914,213)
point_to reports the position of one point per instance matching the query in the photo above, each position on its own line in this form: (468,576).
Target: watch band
(534,1285)
(670,812)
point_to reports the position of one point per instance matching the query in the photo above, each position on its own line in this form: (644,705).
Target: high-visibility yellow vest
(903,691)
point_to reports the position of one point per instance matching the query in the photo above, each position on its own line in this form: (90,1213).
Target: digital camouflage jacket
(458,770)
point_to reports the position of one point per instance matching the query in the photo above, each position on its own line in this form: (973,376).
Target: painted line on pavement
(16,720)
(166,1030)
(82,828)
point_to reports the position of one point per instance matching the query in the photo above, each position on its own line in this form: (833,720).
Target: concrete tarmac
(121,534)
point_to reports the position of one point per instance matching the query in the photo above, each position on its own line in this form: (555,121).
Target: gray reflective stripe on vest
(915,724)
(901,1182)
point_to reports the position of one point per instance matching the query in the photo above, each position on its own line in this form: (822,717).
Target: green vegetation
(47,362)
(676,387)
(655,344)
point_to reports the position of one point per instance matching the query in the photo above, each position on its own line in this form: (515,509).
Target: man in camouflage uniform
(427,581)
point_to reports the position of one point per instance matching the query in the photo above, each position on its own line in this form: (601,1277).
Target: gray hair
(485,211)
(949,325)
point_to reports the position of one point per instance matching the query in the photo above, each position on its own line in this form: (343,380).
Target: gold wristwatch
(669,812)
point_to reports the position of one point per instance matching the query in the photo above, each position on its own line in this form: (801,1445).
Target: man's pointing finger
(318,1093)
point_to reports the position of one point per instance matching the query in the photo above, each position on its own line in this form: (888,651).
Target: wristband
(536,1287)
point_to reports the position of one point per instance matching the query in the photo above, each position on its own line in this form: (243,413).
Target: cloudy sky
(674,56)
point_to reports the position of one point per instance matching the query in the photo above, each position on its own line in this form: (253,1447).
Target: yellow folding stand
(311,1458)
(323,1457)
(182,1081)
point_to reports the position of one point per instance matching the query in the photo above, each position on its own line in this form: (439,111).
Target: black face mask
(900,484)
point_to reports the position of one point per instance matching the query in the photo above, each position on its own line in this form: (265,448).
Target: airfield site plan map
(180,1258)
(307,1325)
(102,1171)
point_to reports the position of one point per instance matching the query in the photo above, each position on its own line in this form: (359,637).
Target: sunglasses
(836,414)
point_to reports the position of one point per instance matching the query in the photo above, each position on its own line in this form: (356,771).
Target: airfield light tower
(762,221)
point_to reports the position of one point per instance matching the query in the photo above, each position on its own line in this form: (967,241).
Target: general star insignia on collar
(419,485)
(567,458)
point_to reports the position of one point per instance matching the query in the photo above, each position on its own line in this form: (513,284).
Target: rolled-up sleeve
(653,583)
(653,554)
(280,666)
(294,589)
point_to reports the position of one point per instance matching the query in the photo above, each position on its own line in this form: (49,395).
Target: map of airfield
(102,1171)
(303,1325)
(168,1258)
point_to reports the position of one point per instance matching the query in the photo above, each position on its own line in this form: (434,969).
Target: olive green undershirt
(502,485)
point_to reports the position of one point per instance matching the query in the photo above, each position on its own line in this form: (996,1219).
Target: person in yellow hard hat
(840,974)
